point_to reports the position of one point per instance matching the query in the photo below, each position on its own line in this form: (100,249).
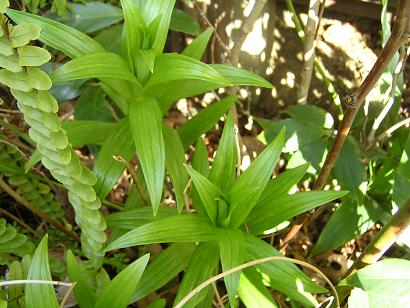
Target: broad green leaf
(281,185)
(257,175)
(183,22)
(132,219)
(106,168)
(87,132)
(91,105)
(146,127)
(202,266)
(134,26)
(232,249)
(204,120)
(252,292)
(177,76)
(279,210)
(197,48)
(282,276)
(311,115)
(110,38)
(350,171)
(84,294)
(33,56)
(174,163)
(66,39)
(21,35)
(168,264)
(387,283)
(121,289)
(90,16)
(178,229)
(208,192)
(313,153)
(401,185)
(37,78)
(239,76)
(349,220)
(94,65)
(223,170)
(40,295)
(159,12)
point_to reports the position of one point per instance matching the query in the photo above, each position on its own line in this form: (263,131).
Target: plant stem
(384,239)
(389,131)
(21,222)
(399,35)
(309,51)
(37,211)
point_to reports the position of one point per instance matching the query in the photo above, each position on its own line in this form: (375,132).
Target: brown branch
(384,239)
(37,211)
(400,34)
(22,223)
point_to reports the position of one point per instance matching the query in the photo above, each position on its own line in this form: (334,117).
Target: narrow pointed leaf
(252,291)
(66,39)
(168,264)
(200,164)
(146,127)
(174,163)
(183,22)
(106,168)
(232,249)
(286,207)
(284,277)
(197,48)
(203,121)
(163,9)
(207,191)
(87,132)
(40,295)
(202,266)
(95,65)
(121,289)
(83,293)
(257,175)
(178,229)
(239,76)
(223,170)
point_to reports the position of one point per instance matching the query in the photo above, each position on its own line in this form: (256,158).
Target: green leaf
(207,191)
(159,12)
(106,168)
(132,219)
(94,65)
(281,185)
(21,35)
(282,276)
(239,76)
(257,175)
(134,26)
(279,210)
(197,48)
(178,229)
(223,172)
(252,292)
(146,127)
(90,16)
(84,294)
(33,56)
(38,79)
(312,116)
(387,283)
(202,266)
(87,132)
(183,22)
(66,39)
(349,220)
(91,105)
(110,38)
(232,249)
(6,168)
(350,171)
(163,268)
(174,163)
(40,295)
(121,289)
(176,76)
(204,120)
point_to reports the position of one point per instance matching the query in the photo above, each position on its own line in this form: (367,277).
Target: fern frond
(30,86)
(12,241)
